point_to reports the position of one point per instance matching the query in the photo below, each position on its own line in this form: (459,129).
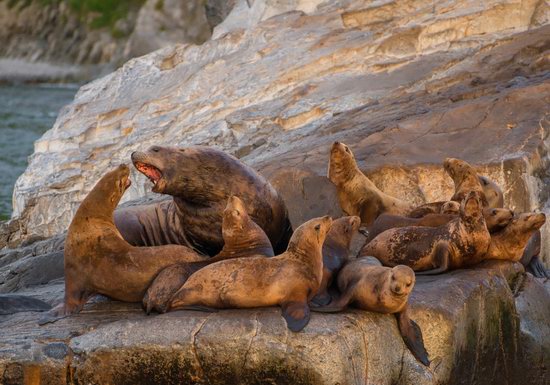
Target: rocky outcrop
(480,326)
(404,83)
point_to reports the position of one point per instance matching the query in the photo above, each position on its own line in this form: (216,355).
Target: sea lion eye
(317,227)
(347,149)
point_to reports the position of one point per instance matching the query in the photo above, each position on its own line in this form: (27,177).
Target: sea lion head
(341,165)
(471,208)
(450,207)
(310,235)
(497,218)
(528,222)
(235,217)
(109,190)
(194,173)
(402,280)
(457,169)
(493,193)
(343,229)
(465,179)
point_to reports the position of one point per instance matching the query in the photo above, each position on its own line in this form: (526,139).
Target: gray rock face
(479,327)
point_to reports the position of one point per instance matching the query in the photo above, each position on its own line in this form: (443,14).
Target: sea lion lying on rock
(365,284)
(335,253)
(357,194)
(432,250)
(99,261)
(200,180)
(495,219)
(289,280)
(530,258)
(242,238)
(509,243)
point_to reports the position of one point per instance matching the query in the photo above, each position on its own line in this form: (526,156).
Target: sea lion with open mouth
(200,179)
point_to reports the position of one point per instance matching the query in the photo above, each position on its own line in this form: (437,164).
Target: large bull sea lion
(289,280)
(200,180)
(99,261)
(242,238)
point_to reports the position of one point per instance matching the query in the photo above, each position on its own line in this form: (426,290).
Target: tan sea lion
(433,250)
(531,260)
(495,219)
(465,179)
(450,207)
(365,284)
(493,193)
(289,280)
(200,179)
(99,261)
(357,194)
(242,238)
(335,253)
(509,243)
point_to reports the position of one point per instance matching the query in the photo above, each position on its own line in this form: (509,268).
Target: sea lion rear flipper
(412,336)
(337,305)
(164,286)
(441,259)
(536,268)
(321,299)
(296,315)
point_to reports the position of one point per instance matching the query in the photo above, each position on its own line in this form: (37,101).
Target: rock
(161,23)
(404,83)
(217,10)
(474,328)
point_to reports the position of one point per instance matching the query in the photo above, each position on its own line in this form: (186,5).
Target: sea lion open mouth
(150,171)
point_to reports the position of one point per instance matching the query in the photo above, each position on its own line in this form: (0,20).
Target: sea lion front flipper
(536,268)
(412,336)
(441,259)
(321,299)
(164,286)
(13,303)
(296,315)
(339,304)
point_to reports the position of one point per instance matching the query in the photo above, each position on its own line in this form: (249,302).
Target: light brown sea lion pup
(200,179)
(365,284)
(357,194)
(242,238)
(433,250)
(99,261)
(509,244)
(495,219)
(289,280)
(335,253)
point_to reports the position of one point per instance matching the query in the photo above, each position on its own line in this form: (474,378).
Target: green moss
(159,5)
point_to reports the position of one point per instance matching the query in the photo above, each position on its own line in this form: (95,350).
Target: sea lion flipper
(412,336)
(441,259)
(164,286)
(536,268)
(296,315)
(321,299)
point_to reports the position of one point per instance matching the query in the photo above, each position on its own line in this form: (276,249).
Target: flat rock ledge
(484,326)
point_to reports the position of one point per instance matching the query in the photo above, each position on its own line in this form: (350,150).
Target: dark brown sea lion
(335,253)
(432,250)
(364,284)
(531,260)
(242,238)
(509,243)
(13,303)
(495,219)
(289,280)
(357,194)
(200,180)
(99,261)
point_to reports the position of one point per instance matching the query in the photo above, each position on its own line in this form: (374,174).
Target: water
(26,112)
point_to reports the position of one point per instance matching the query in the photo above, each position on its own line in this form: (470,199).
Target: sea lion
(13,303)
(493,193)
(335,253)
(289,280)
(495,219)
(509,244)
(465,180)
(357,194)
(367,285)
(242,238)
(432,250)
(200,179)
(531,260)
(99,261)
(450,207)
